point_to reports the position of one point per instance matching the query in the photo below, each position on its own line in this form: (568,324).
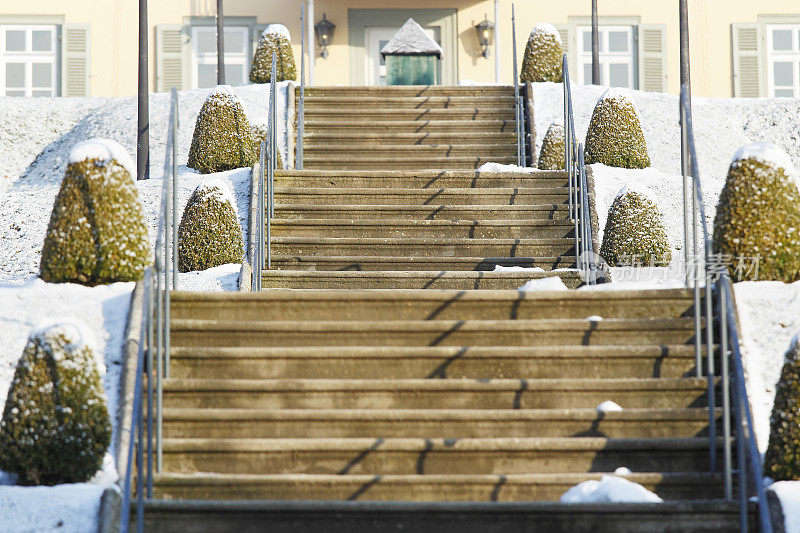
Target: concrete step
(698,516)
(359,103)
(420,362)
(377,114)
(375,280)
(404,456)
(310,305)
(409,150)
(360,139)
(630,393)
(483,264)
(433,423)
(343,162)
(422,247)
(435,211)
(461,229)
(539,332)
(473,488)
(346,127)
(407,91)
(419,180)
(390,196)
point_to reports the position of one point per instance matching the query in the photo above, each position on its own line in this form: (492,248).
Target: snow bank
(788,492)
(277,29)
(70,508)
(218,279)
(552,283)
(608,406)
(609,489)
(105,150)
(546,28)
(501,268)
(499,167)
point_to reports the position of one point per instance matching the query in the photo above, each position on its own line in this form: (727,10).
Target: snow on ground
(789,494)
(218,279)
(609,489)
(70,508)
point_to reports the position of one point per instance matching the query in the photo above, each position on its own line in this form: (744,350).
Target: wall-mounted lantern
(485,34)
(324,30)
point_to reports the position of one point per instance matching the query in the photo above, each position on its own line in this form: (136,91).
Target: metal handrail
(301,106)
(578,204)
(154,342)
(747,449)
(519,112)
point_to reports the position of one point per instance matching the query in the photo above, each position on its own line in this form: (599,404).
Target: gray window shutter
(255,30)
(75,60)
(170,71)
(563,31)
(652,40)
(746,59)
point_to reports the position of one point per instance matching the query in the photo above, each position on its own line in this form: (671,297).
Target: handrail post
(517,118)
(567,138)
(176,125)
(725,374)
(301,111)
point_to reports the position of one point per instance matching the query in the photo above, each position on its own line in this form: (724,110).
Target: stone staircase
(397,128)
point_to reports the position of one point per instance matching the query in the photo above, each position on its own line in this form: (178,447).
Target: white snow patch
(77,335)
(501,268)
(615,93)
(546,28)
(788,492)
(552,283)
(226,92)
(637,188)
(594,318)
(105,150)
(609,489)
(107,475)
(277,29)
(499,167)
(622,471)
(224,278)
(219,189)
(411,39)
(71,508)
(769,315)
(768,153)
(608,406)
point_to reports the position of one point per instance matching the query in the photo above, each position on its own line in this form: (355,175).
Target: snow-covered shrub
(260,133)
(55,426)
(551,156)
(758,214)
(97,233)
(209,234)
(274,39)
(222,138)
(543,55)
(615,137)
(782,460)
(635,231)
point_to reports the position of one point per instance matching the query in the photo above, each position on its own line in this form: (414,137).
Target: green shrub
(635,228)
(551,156)
(260,134)
(97,233)
(209,234)
(615,137)
(55,427)
(758,215)
(543,55)
(782,460)
(222,139)
(274,39)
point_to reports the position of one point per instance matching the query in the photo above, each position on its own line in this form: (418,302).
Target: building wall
(114,30)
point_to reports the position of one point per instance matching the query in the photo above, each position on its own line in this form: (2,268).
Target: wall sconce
(324,30)
(485,35)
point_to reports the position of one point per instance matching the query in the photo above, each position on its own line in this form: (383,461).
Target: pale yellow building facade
(89,47)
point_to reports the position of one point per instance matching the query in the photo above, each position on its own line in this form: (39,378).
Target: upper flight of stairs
(377,128)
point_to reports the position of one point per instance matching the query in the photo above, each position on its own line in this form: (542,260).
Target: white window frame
(210,58)
(608,58)
(29,57)
(775,56)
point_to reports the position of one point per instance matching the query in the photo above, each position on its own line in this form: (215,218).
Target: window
(783,60)
(28,60)
(617,57)
(204,55)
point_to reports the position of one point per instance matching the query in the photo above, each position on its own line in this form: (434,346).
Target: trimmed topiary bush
(260,134)
(551,156)
(209,234)
(97,233)
(758,215)
(222,139)
(55,427)
(635,228)
(615,137)
(543,55)
(782,460)
(274,39)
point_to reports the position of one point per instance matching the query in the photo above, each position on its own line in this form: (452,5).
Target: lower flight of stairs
(362,396)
